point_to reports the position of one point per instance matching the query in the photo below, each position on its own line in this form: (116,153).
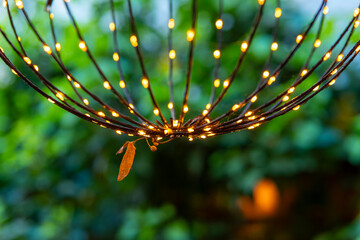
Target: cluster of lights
(235,119)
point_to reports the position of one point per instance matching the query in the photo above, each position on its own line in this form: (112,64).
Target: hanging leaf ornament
(128,159)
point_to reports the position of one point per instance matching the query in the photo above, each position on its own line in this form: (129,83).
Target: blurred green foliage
(58,173)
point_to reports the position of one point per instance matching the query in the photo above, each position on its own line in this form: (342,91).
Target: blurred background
(296,177)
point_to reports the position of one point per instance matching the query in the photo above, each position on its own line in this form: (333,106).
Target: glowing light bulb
(172,54)
(112,26)
(116,57)
(145,82)
(235,107)
(356,12)
(317,43)
(326,10)
(340,57)
(134,41)
(356,24)
(327,56)
(278,12)
(285,98)
(77,85)
(254,99)
(244,46)
(82,46)
(249,113)
(217,54)
(274,46)
(115,114)
(332,82)
(291,90)
(217,83)
(261,2)
(185,109)
(304,72)
(85,101)
(296,108)
(170,105)
(156,112)
(190,35)
(60,96)
(226,83)
(101,114)
(171,23)
(107,85)
(219,24)
(271,80)
(122,84)
(47,49)
(19,4)
(299,38)
(266,74)
(27,60)
(58,47)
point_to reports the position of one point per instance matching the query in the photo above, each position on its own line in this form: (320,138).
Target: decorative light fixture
(246,114)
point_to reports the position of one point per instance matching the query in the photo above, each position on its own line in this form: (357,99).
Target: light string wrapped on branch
(130,120)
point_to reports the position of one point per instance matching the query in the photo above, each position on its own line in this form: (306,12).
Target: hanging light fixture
(245,114)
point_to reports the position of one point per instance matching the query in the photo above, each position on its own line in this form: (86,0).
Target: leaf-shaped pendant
(127,160)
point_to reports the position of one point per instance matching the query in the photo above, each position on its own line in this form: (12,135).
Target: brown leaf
(122,148)
(127,160)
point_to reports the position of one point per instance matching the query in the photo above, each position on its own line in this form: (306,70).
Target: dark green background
(58,173)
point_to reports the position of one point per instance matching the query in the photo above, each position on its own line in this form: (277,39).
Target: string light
(317,43)
(145,82)
(299,38)
(122,84)
(219,24)
(116,57)
(171,23)
(244,46)
(278,12)
(217,54)
(172,54)
(82,46)
(274,46)
(248,113)
(134,41)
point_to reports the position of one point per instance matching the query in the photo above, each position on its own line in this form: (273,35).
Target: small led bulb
(172,54)
(82,46)
(278,12)
(219,24)
(274,46)
(145,82)
(217,54)
(244,46)
(171,23)
(134,41)
(112,26)
(190,35)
